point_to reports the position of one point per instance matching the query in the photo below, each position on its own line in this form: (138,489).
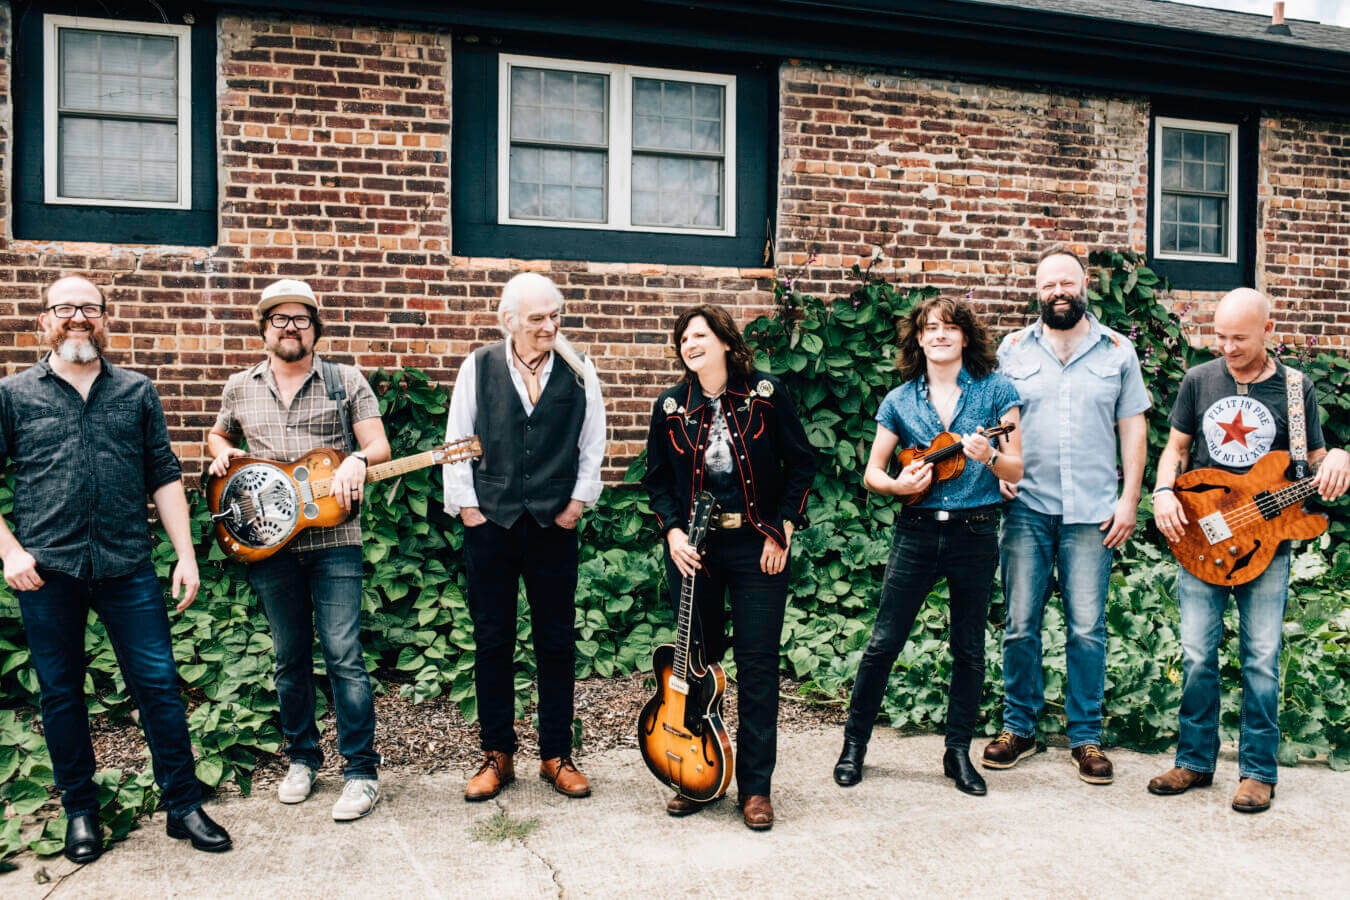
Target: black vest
(528,462)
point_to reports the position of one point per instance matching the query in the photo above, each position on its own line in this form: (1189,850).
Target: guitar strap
(337,392)
(1298,425)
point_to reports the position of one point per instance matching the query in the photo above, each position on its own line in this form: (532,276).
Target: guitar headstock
(457,451)
(702,512)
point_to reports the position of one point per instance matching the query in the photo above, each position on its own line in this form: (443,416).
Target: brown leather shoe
(497,771)
(679,806)
(1006,750)
(1253,796)
(758,812)
(1093,766)
(563,774)
(1178,781)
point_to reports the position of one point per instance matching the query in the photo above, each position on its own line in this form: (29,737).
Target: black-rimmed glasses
(301,322)
(67,310)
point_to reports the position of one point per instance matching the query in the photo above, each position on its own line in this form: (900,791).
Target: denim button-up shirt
(83,468)
(1069,418)
(908,413)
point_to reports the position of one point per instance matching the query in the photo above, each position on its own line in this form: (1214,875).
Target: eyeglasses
(302,322)
(67,311)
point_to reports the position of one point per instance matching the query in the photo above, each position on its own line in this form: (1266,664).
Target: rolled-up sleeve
(591,442)
(460,423)
(161,465)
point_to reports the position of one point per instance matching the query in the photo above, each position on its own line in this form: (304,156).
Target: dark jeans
(497,560)
(923,551)
(302,592)
(731,563)
(132,610)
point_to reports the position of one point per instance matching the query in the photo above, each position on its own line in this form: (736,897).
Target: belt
(727,521)
(988,513)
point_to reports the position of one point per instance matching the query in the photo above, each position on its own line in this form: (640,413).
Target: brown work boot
(562,773)
(758,812)
(1253,796)
(1178,781)
(1093,766)
(1006,750)
(679,806)
(497,771)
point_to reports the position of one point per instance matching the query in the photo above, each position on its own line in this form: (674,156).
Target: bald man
(89,443)
(1238,406)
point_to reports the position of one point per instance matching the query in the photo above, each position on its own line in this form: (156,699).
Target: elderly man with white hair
(542,429)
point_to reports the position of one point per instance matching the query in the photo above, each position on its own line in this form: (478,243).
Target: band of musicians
(1018,461)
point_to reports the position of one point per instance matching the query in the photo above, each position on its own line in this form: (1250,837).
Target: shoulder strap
(337,392)
(1298,426)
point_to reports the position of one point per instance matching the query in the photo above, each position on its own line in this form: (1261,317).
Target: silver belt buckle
(942,515)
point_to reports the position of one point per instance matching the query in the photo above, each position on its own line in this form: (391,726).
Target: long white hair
(508,311)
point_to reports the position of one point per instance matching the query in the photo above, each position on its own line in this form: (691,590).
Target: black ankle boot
(848,771)
(957,766)
(84,838)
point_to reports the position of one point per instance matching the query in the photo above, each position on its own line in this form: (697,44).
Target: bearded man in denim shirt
(1082,387)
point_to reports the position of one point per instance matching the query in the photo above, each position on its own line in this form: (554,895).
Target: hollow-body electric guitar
(258,505)
(1236,522)
(680,730)
(947,455)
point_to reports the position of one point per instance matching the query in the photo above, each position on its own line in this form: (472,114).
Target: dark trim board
(473,169)
(34,219)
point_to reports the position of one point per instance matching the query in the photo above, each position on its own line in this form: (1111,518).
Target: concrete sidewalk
(905,830)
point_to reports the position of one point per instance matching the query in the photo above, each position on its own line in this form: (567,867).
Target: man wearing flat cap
(288,404)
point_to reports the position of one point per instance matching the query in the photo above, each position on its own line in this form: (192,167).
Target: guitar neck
(392,469)
(681,664)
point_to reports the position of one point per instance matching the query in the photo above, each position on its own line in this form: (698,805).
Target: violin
(946,455)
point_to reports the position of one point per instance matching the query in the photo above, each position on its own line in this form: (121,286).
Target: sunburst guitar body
(1235,523)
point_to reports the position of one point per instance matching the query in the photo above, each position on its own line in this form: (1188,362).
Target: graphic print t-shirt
(1233,431)
(719,464)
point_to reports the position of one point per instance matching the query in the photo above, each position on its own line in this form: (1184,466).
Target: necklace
(533,368)
(1244,387)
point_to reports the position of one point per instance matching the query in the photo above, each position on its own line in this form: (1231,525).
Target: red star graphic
(1235,430)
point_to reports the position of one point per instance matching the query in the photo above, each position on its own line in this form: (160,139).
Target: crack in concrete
(57,882)
(552,869)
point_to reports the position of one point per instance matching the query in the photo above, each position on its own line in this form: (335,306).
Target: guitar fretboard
(391,469)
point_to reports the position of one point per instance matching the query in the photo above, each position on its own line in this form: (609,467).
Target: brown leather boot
(679,806)
(1006,750)
(1093,766)
(563,774)
(758,812)
(1178,781)
(497,771)
(1253,796)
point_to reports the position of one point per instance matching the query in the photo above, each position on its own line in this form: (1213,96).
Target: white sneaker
(297,784)
(358,799)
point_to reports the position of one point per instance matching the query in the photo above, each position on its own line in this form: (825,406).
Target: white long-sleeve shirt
(463,420)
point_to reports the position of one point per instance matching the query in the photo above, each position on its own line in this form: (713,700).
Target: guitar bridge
(1215,528)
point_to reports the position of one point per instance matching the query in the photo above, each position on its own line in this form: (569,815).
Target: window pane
(673,115)
(1211,211)
(675,134)
(1171,175)
(524,164)
(677,99)
(567,185)
(1169,208)
(118,160)
(118,73)
(1216,178)
(677,192)
(558,106)
(589,203)
(1216,148)
(1169,238)
(1211,240)
(524,201)
(1193,176)
(1171,143)
(1188,210)
(1193,145)
(591,92)
(1188,239)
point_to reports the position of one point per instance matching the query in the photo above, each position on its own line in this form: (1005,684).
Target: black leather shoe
(84,839)
(848,771)
(197,827)
(957,766)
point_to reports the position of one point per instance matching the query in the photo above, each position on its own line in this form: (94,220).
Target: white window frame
(619,188)
(51,75)
(1230,129)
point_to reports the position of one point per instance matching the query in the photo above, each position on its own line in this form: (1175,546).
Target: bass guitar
(680,730)
(1235,523)
(259,506)
(946,455)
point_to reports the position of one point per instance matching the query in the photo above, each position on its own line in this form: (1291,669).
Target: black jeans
(547,559)
(731,562)
(133,612)
(923,551)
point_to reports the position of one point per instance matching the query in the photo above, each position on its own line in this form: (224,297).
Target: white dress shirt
(463,420)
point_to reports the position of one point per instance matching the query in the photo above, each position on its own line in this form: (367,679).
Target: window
(1195,209)
(116,113)
(616,147)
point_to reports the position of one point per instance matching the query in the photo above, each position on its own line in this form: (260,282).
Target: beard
(1067,319)
(79,352)
(287,352)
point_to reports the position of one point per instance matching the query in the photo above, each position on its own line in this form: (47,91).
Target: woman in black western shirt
(732,431)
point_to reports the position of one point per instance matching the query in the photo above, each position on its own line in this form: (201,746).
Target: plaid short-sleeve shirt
(251,408)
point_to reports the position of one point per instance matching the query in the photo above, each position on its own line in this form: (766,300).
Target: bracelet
(1159,490)
(993,459)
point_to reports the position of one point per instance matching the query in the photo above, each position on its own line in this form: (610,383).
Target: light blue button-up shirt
(1069,415)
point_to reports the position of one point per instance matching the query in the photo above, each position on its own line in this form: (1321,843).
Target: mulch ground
(432,736)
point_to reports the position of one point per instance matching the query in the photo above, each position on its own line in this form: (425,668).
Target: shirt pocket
(1022,373)
(120,422)
(1102,382)
(43,430)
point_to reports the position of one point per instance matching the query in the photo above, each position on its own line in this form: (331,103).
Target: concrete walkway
(905,830)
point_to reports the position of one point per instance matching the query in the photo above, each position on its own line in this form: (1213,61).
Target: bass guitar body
(680,731)
(1235,523)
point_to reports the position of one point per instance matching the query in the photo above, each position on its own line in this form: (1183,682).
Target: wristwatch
(361,455)
(993,459)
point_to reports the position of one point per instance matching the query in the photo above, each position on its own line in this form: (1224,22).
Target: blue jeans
(299,592)
(1034,548)
(132,610)
(1261,605)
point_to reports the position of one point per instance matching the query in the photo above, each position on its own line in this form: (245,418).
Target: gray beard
(82,352)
